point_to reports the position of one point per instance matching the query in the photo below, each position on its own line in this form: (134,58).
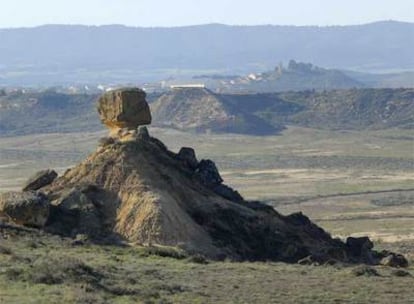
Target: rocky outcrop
(208,174)
(25,208)
(78,210)
(143,133)
(39,180)
(361,247)
(124,109)
(188,156)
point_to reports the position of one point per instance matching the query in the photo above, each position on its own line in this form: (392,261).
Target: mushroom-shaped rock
(25,208)
(124,108)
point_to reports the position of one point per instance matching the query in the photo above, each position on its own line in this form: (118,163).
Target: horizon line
(203,24)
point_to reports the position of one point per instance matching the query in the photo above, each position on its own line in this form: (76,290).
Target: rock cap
(124,108)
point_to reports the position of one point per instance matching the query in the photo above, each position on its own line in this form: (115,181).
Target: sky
(166,13)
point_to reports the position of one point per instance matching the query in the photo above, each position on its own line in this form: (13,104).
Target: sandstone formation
(123,110)
(39,180)
(139,192)
(25,208)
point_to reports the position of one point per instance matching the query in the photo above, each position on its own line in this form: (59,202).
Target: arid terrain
(169,152)
(349,182)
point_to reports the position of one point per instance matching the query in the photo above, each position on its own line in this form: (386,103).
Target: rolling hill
(201,110)
(297,76)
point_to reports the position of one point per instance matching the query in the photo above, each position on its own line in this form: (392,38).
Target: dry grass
(105,274)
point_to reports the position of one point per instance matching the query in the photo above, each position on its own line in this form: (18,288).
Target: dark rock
(208,174)
(142,133)
(394,260)
(228,193)
(360,250)
(159,143)
(298,218)
(292,251)
(188,156)
(358,246)
(25,208)
(76,212)
(40,180)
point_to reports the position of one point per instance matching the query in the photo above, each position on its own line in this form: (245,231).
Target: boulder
(188,156)
(358,246)
(25,208)
(40,180)
(208,174)
(394,260)
(76,211)
(124,108)
(360,249)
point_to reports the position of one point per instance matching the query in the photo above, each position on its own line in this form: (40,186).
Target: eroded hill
(353,109)
(200,110)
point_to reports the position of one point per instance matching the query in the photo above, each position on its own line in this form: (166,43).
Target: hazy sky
(18,13)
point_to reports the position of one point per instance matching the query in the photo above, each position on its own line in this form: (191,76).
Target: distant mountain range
(61,54)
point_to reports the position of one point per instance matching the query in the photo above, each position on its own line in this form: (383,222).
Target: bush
(198,259)
(167,252)
(364,270)
(62,269)
(5,250)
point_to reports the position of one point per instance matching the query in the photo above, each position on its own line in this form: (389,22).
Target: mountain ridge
(208,24)
(60,54)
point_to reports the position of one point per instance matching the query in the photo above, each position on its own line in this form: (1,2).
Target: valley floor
(350,183)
